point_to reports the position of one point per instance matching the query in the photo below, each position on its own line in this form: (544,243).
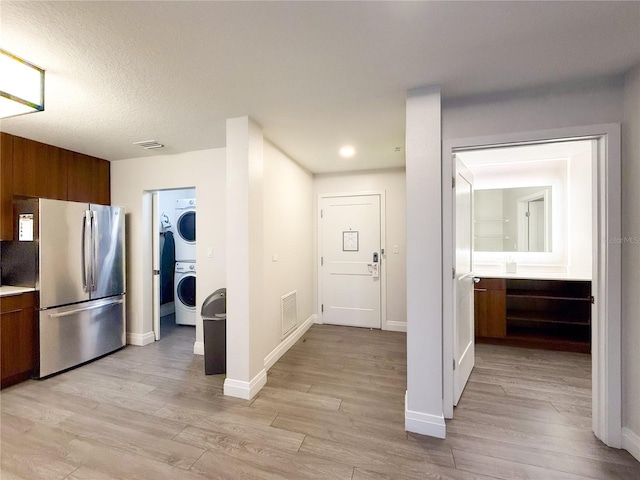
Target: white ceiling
(315,75)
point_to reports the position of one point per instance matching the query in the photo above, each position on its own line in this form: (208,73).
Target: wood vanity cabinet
(17,337)
(545,314)
(34,169)
(490,308)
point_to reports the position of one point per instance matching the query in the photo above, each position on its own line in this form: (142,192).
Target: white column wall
(245,170)
(423,410)
(631,264)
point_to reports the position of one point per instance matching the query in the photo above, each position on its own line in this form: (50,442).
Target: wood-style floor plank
(333,408)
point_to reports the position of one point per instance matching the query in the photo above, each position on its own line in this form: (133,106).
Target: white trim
(383,258)
(395,326)
(631,443)
(423,423)
(606,326)
(198,348)
(288,342)
(141,339)
(245,390)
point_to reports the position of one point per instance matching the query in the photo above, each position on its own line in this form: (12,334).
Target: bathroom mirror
(512,219)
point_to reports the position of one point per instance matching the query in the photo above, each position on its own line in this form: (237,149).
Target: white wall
(631,264)
(131,182)
(269,199)
(288,233)
(393,183)
(580,204)
(245,167)
(578,105)
(584,103)
(424,412)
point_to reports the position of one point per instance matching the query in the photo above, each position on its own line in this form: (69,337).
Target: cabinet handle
(479,289)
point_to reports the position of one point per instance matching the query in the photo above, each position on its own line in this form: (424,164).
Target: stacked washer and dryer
(185,272)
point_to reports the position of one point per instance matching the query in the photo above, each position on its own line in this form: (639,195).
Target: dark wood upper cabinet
(33,169)
(88,179)
(39,170)
(6,186)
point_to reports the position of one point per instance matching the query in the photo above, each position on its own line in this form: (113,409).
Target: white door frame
(606,283)
(383,257)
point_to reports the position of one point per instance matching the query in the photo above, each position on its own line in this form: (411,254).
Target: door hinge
(453,182)
(454,363)
(322,308)
(321,213)
(453,273)
(321,261)
(527,214)
(593,299)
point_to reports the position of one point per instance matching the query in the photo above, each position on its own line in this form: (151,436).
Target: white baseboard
(245,390)
(288,342)
(167,308)
(198,348)
(423,423)
(631,442)
(140,339)
(394,326)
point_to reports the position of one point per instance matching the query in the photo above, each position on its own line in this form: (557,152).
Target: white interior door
(463,335)
(155,251)
(350,260)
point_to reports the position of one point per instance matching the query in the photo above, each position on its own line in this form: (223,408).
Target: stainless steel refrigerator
(73,254)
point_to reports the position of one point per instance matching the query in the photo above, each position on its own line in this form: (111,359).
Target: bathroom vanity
(545,313)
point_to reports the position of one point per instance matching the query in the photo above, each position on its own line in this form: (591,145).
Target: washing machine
(185,230)
(185,293)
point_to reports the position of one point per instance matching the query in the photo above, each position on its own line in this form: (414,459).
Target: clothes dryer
(185,230)
(185,293)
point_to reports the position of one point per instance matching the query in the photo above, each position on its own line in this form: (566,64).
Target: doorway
(605,326)
(174,266)
(351,280)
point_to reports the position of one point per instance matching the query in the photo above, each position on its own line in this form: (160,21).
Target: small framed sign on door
(350,241)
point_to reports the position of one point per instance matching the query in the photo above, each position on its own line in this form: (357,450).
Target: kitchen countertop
(8,290)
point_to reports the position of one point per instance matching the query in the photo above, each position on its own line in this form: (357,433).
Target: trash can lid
(214,306)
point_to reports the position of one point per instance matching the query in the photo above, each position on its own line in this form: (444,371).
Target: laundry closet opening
(174,259)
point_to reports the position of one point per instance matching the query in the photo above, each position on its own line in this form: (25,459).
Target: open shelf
(545,314)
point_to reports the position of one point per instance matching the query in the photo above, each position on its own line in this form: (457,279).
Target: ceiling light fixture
(347,151)
(21,86)
(148,144)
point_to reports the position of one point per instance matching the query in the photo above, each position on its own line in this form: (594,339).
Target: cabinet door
(17,338)
(490,308)
(39,170)
(88,179)
(6,186)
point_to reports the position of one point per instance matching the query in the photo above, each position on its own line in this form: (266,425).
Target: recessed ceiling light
(148,144)
(347,151)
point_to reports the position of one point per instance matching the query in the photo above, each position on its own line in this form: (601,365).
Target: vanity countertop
(8,290)
(531,275)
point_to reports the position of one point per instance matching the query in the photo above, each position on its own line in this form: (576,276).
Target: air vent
(149,144)
(289,311)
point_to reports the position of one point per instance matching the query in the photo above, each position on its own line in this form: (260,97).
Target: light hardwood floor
(333,408)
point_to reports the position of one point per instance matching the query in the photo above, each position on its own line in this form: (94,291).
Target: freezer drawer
(78,333)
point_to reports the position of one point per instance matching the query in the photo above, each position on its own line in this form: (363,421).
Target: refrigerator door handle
(92,307)
(94,260)
(86,236)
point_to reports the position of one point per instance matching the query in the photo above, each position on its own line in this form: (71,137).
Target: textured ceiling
(315,75)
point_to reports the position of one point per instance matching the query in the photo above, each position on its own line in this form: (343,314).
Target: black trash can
(214,320)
